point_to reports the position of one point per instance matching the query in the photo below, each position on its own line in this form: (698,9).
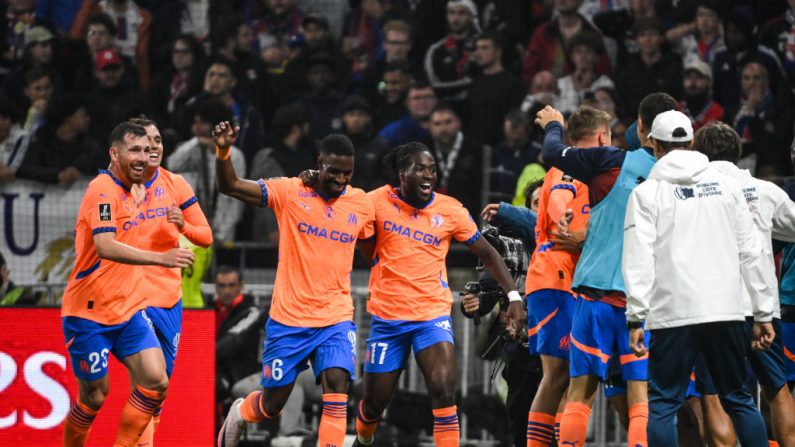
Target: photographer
(522,372)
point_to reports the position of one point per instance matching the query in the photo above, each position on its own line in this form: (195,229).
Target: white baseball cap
(672,126)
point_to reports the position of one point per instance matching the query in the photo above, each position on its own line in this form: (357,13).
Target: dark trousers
(672,355)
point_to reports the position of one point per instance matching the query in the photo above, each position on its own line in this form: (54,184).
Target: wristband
(513,295)
(634,325)
(223,154)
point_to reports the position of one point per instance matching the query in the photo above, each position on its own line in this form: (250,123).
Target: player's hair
(229,269)
(336,144)
(104,20)
(585,121)
(399,158)
(529,190)
(718,141)
(125,128)
(654,104)
(143,121)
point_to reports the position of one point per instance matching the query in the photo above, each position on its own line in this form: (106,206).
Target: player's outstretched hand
(225,134)
(177,257)
(547,115)
(490,211)
(763,336)
(637,341)
(516,318)
(175,216)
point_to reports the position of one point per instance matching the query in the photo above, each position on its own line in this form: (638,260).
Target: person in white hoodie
(774,216)
(689,245)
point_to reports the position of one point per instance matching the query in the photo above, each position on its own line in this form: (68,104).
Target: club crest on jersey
(304,206)
(352,219)
(159,192)
(437,221)
(104,212)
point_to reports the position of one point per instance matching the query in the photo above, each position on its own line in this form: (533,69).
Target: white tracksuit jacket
(774,216)
(689,242)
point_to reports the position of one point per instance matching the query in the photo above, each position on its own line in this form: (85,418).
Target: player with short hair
(168,210)
(410,299)
(563,208)
(599,326)
(312,310)
(102,303)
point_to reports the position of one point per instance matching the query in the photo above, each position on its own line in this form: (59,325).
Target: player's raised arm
(109,248)
(229,183)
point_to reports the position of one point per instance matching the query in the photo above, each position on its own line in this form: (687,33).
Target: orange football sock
(136,414)
(558,418)
(540,429)
(334,421)
(574,425)
(445,426)
(638,420)
(253,409)
(365,428)
(78,424)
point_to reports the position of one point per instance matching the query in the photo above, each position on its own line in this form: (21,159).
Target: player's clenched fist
(225,134)
(175,216)
(547,115)
(177,257)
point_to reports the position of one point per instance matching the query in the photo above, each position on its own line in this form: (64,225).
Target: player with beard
(102,303)
(169,209)
(311,314)
(410,299)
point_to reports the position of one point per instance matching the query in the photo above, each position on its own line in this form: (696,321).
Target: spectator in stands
(175,18)
(114,97)
(59,13)
(280,19)
(173,87)
(323,99)
(62,151)
(232,41)
(20,16)
(10,294)
(289,153)
(700,39)
(584,50)
(195,159)
(740,49)
(420,102)
(274,83)
(697,102)
(361,38)
(133,25)
(219,83)
(459,159)
(390,104)
(357,125)
(334,12)
(547,47)
(493,93)
(617,24)
(315,38)
(238,321)
(14,141)
(514,155)
(653,70)
(100,34)
(763,122)
(543,92)
(448,62)
(779,35)
(37,92)
(39,43)
(396,46)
